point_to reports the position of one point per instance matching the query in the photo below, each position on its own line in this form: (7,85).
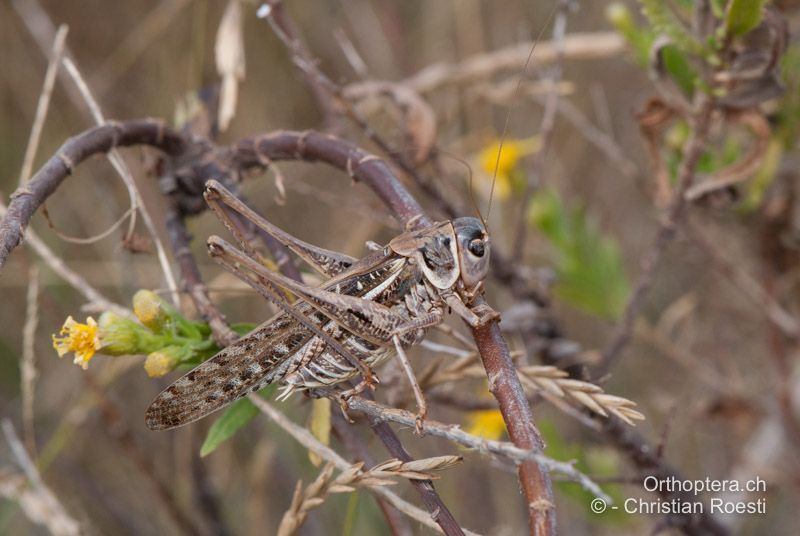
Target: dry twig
(35,498)
(576,46)
(124,172)
(74,279)
(305,438)
(44,103)
(453,433)
(27,368)
(304,500)
(699,123)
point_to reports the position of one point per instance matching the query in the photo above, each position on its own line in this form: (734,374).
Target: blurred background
(715,377)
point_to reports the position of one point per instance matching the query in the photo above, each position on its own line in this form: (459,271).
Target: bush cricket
(367,310)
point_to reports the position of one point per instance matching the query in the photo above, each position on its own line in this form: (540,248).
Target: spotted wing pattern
(279,347)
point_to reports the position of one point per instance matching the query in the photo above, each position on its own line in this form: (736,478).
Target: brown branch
(398,525)
(506,388)
(256,153)
(28,198)
(313,146)
(192,282)
(439,511)
(491,345)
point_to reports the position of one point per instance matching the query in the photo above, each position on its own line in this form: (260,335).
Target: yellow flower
(82,339)
(486,423)
(510,153)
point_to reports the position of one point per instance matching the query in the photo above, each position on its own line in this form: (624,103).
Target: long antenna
(508,112)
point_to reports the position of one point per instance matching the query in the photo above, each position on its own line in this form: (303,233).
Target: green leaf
(664,21)
(234,418)
(743,16)
(588,264)
(679,69)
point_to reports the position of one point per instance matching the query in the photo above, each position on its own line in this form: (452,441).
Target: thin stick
(700,124)
(26,200)
(28,371)
(576,46)
(305,438)
(136,197)
(507,389)
(455,434)
(192,281)
(38,502)
(44,103)
(75,280)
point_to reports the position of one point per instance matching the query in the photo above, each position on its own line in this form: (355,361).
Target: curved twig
(29,197)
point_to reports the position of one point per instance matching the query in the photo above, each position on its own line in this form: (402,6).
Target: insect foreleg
(484,313)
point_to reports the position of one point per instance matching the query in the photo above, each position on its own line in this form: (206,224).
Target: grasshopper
(366,311)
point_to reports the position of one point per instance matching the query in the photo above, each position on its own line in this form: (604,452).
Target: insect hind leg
(259,277)
(329,263)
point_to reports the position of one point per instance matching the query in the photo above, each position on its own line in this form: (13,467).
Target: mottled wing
(245,366)
(267,353)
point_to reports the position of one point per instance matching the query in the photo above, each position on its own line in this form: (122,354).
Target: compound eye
(476,247)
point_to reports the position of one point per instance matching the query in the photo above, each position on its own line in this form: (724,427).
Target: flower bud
(152,311)
(119,335)
(165,360)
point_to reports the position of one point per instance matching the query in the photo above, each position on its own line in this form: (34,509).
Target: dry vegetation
(645,259)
